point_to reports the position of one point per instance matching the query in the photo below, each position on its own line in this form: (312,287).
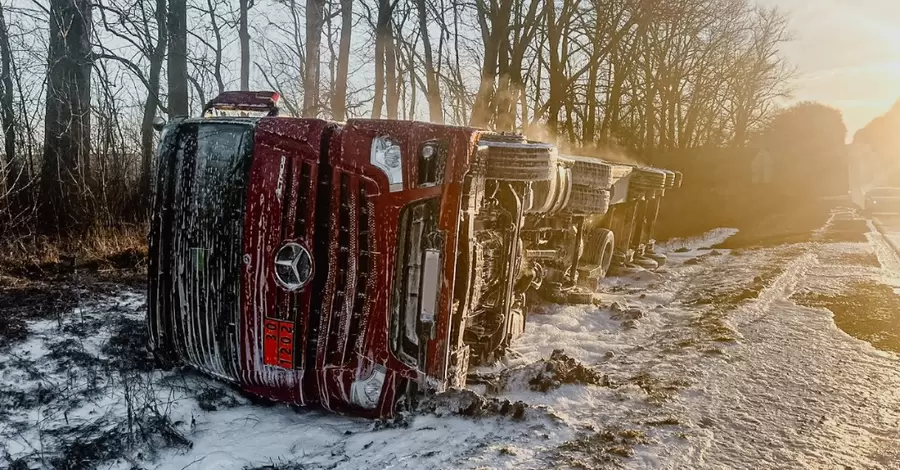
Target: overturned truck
(355,265)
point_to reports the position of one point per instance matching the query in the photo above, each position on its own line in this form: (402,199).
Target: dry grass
(108,248)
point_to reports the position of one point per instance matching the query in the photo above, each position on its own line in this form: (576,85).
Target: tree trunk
(150,107)
(217,32)
(378,102)
(493,38)
(177,69)
(390,74)
(557,77)
(314,19)
(481,110)
(17,174)
(339,98)
(433,91)
(244,36)
(67,139)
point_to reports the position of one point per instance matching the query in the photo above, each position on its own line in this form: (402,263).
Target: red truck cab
(352,265)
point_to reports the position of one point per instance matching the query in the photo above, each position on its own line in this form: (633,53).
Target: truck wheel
(649,179)
(591,172)
(515,161)
(645,263)
(579,297)
(659,258)
(670,179)
(587,200)
(599,248)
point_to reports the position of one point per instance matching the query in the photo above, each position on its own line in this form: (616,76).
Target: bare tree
(67,125)
(339,97)
(17,174)
(244,35)
(433,92)
(315,18)
(178,102)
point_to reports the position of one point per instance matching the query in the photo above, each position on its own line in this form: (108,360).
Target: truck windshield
(212,161)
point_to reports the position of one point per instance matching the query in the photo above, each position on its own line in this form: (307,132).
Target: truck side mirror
(159,123)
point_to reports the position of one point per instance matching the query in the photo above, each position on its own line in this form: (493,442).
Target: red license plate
(278,343)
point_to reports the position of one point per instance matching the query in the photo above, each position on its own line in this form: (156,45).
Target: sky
(847,54)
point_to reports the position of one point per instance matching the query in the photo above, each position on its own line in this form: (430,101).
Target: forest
(81,81)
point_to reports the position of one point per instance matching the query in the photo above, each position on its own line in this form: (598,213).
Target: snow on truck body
(352,265)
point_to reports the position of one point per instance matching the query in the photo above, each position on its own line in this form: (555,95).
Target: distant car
(883,200)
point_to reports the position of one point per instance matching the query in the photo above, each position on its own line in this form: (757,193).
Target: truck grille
(349,283)
(297,194)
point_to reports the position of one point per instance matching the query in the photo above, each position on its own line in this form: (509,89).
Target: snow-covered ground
(712,362)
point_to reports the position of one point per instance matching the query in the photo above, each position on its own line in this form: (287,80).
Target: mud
(278,466)
(845,228)
(658,389)
(127,348)
(23,299)
(544,375)
(464,402)
(867,310)
(601,449)
(214,399)
(90,445)
(781,228)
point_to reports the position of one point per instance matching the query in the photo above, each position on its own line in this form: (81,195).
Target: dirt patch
(601,449)
(215,398)
(87,446)
(728,296)
(470,404)
(658,389)
(126,348)
(70,353)
(866,310)
(793,225)
(562,369)
(543,376)
(22,300)
(278,466)
(845,230)
(867,259)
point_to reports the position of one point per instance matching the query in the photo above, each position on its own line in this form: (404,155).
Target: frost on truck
(355,265)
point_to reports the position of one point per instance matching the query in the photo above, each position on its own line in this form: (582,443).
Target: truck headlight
(387,157)
(366,393)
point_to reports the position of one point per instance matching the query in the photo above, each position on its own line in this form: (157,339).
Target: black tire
(516,161)
(591,172)
(670,179)
(502,137)
(645,263)
(659,258)
(579,297)
(586,200)
(600,245)
(550,196)
(648,179)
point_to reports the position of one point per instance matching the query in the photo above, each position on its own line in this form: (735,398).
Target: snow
(713,378)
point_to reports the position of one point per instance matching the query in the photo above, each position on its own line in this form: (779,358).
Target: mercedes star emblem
(293,266)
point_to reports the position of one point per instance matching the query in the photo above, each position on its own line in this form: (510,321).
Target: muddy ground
(595,387)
